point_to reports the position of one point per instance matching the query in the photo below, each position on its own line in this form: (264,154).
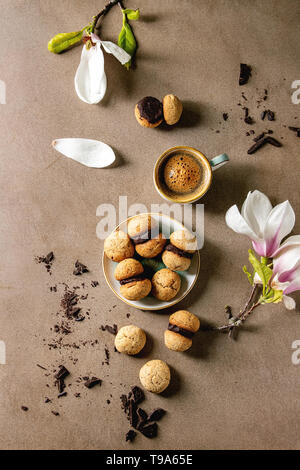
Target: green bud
(64,41)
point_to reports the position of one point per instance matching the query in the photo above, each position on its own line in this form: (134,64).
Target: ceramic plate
(188,278)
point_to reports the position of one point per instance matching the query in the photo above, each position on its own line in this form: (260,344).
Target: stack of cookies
(144,238)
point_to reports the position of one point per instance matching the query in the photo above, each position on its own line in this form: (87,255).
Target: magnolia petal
(91,153)
(280,223)
(238,224)
(118,52)
(255,211)
(294,240)
(289,302)
(90,79)
(287,256)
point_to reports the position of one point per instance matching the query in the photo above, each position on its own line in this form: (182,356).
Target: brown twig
(105,10)
(247,310)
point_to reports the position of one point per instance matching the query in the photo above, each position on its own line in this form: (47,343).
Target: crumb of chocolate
(41,367)
(130,435)
(245,74)
(24,408)
(46,260)
(111,329)
(47,400)
(225,116)
(62,394)
(55,413)
(270,115)
(80,269)
(62,373)
(94,283)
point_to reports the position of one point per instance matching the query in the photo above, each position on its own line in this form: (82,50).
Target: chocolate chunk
(132,414)
(156,414)
(270,115)
(61,385)
(149,430)
(80,269)
(174,249)
(111,329)
(138,394)
(24,408)
(150,109)
(247,119)
(245,74)
(90,383)
(132,279)
(260,143)
(225,116)
(295,129)
(62,373)
(130,435)
(181,331)
(143,415)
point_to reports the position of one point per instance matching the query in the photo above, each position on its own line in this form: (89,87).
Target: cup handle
(218,161)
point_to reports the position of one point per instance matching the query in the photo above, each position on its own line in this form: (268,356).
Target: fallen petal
(289,303)
(90,79)
(118,52)
(91,153)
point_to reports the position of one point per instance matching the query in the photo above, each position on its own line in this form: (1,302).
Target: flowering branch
(104,11)
(277,273)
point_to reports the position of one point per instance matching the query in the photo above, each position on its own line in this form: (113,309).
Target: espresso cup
(206,169)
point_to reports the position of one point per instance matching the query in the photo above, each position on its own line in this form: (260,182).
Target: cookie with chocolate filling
(118,246)
(149,112)
(142,228)
(175,259)
(165,284)
(184,240)
(134,285)
(151,248)
(181,329)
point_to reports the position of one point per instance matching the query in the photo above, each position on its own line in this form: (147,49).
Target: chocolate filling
(151,109)
(180,331)
(183,254)
(132,279)
(144,237)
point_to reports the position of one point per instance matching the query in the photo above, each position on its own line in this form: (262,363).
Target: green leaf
(264,271)
(132,14)
(127,40)
(64,41)
(249,275)
(274,296)
(153,264)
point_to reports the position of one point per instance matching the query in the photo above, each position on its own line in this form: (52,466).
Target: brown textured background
(224,394)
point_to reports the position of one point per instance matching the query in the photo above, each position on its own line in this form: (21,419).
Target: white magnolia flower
(90,79)
(286,269)
(265,225)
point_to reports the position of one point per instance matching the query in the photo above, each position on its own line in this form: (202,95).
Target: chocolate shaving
(90,383)
(295,129)
(260,143)
(245,74)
